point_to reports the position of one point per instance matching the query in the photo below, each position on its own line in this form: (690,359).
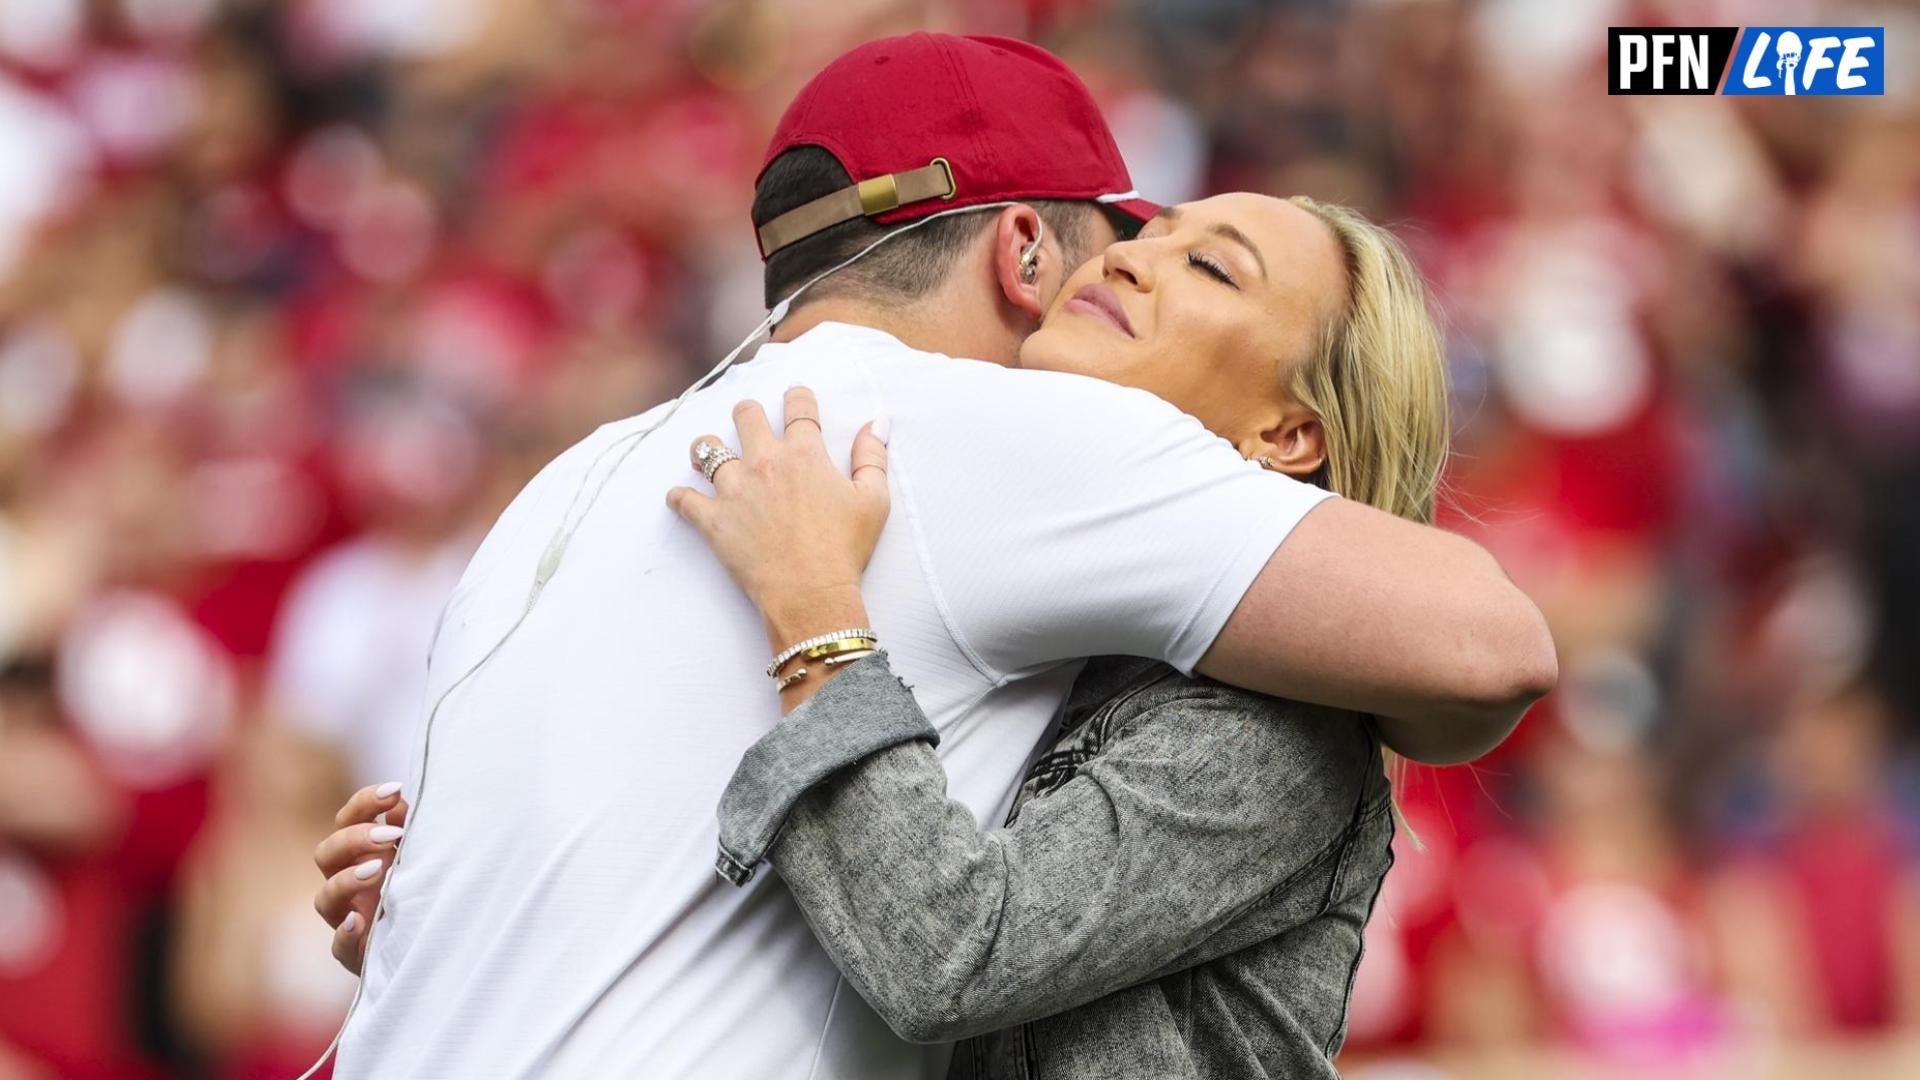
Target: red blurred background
(294,295)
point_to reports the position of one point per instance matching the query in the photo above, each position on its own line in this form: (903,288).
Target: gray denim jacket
(1180,890)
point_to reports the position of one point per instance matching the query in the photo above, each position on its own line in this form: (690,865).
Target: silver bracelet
(773,669)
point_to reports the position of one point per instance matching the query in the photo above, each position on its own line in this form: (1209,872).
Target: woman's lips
(1096,301)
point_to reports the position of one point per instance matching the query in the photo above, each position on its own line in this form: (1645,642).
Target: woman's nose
(1124,264)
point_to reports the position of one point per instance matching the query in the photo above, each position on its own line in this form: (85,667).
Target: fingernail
(883,427)
(350,924)
(384,834)
(387,790)
(367,869)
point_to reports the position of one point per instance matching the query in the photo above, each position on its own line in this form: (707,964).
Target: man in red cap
(596,676)
(929,125)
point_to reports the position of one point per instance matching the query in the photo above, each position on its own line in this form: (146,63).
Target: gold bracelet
(835,648)
(798,674)
(791,651)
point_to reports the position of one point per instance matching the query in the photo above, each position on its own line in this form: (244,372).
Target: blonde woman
(1181,887)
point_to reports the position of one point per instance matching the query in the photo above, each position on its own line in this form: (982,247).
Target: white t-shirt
(556,911)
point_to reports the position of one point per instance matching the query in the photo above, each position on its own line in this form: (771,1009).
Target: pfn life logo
(1794,60)
(1788,61)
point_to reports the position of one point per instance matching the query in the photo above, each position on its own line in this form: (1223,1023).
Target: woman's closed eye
(1212,267)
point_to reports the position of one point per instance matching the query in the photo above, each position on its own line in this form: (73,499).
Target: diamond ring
(711,456)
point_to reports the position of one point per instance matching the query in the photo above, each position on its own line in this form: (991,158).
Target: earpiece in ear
(1030,258)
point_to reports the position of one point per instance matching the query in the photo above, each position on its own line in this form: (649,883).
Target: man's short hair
(903,269)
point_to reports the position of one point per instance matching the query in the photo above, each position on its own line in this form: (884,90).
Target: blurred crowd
(294,295)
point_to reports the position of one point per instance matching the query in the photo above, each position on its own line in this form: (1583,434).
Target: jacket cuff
(860,712)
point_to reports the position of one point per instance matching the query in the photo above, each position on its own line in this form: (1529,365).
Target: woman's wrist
(806,614)
(801,617)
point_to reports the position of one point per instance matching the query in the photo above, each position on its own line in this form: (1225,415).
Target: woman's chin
(1049,348)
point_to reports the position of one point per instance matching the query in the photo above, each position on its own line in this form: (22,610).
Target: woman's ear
(1021,261)
(1297,445)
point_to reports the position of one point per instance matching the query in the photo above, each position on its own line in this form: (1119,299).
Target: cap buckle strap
(876,195)
(879,195)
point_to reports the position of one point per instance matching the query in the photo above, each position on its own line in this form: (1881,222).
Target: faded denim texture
(1180,890)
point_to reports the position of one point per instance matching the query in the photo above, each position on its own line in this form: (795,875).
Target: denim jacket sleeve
(866,709)
(1196,807)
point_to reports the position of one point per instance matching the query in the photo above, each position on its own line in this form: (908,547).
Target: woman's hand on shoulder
(793,531)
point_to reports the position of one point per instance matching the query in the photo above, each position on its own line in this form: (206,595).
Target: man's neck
(927,327)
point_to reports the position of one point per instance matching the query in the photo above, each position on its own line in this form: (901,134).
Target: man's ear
(1016,232)
(1297,445)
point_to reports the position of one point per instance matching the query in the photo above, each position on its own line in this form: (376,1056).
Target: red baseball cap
(929,122)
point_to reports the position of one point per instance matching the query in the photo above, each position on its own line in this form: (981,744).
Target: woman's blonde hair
(1378,377)
(1377,380)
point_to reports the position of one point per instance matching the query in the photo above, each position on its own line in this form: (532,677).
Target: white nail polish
(384,834)
(367,869)
(883,427)
(387,790)
(350,924)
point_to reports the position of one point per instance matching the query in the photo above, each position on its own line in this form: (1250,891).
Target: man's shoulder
(590,450)
(557,490)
